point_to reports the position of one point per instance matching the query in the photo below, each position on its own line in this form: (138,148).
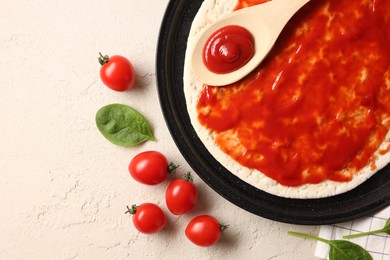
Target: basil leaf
(385,229)
(345,250)
(123,125)
(339,249)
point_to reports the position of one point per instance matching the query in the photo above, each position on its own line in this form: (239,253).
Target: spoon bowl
(264,21)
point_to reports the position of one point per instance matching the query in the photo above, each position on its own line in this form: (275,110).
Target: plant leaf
(385,229)
(123,125)
(345,250)
(339,249)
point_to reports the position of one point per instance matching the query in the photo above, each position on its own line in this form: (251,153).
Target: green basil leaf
(386,228)
(123,125)
(339,249)
(345,250)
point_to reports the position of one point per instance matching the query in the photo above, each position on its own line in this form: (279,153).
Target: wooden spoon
(264,21)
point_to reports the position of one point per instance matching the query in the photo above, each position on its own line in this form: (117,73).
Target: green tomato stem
(188,177)
(172,168)
(103,59)
(222,227)
(131,210)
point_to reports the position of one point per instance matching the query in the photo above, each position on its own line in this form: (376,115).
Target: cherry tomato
(181,195)
(150,167)
(117,72)
(204,230)
(148,218)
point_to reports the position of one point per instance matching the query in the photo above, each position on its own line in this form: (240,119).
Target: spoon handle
(276,13)
(264,21)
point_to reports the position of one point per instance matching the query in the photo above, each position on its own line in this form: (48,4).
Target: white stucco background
(63,187)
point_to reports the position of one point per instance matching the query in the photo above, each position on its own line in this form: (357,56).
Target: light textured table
(63,187)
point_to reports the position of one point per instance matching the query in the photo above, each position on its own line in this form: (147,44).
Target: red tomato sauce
(228,49)
(318,107)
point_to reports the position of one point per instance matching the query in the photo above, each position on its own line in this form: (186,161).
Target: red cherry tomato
(181,195)
(148,218)
(117,72)
(149,167)
(204,230)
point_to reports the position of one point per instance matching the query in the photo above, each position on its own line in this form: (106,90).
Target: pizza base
(210,11)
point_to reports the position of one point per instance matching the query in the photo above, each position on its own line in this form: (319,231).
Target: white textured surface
(63,187)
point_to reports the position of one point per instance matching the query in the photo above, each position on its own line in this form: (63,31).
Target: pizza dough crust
(210,11)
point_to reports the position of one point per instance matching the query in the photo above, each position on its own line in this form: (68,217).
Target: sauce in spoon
(264,21)
(228,49)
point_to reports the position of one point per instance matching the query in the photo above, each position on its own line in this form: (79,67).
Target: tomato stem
(103,59)
(222,227)
(131,210)
(188,177)
(172,168)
